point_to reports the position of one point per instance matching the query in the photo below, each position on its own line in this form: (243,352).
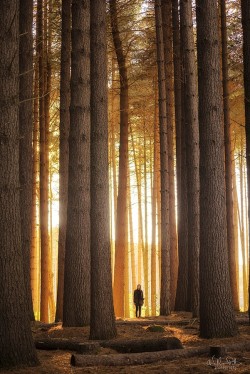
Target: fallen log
(148,358)
(147,322)
(143,345)
(123,359)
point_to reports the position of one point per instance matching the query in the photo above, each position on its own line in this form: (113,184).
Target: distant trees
(17,346)
(121,215)
(245,14)
(64,148)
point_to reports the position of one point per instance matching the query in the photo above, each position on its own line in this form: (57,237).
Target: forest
(124,163)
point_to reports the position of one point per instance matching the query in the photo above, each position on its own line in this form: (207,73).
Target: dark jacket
(138,297)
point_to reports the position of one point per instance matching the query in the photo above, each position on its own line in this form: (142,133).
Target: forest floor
(57,362)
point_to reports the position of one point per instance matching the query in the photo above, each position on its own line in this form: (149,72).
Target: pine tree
(102,322)
(216,309)
(76,303)
(16,342)
(25,129)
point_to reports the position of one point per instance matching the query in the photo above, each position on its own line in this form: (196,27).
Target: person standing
(138,300)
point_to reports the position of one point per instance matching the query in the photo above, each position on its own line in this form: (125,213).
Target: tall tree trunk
(25,130)
(34,255)
(228,160)
(120,245)
(76,303)
(169,72)
(181,293)
(64,149)
(154,209)
(165,240)
(17,347)
(245,11)
(216,309)
(102,323)
(145,260)
(45,276)
(131,236)
(192,152)
(181,301)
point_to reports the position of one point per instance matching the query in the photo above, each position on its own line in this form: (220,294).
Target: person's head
(138,286)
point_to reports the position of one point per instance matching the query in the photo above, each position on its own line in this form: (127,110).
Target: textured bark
(15,334)
(135,358)
(44,311)
(25,130)
(192,152)
(245,11)
(64,149)
(228,161)
(182,283)
(34,255)
(216,309)
(169,81)
(76,305)
(120,245)
(102,322)
(181,292)
(154,206)
(165,239)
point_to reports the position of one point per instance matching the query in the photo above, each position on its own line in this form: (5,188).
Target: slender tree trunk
(145,260)
(192,152)
(181,301)
(165,240)
(154,209)
(181,293)
(25,129)
(76,301)
(228,160)
(242,233)
(64,149)
(131,236)
(34,255)
(44,314)
(16,342)
(102,323)
(216,308)
(169,72)
(120,246)
(245,11)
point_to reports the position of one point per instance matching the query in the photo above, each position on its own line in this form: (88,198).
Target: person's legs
(139,310)
(137,307)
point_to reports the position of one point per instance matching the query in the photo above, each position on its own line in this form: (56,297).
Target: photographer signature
(228,363)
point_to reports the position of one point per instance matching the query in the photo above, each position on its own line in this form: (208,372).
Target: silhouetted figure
(138,300)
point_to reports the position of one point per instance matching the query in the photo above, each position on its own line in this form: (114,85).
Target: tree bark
(228,161)
(165,240)
(121,219)
(245,12)
(25,129)
(76,304)
(135,358)
(192,152)
(216,309)
(44,310)
(102,322)
(169,82)
(64,149)
(17,347)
